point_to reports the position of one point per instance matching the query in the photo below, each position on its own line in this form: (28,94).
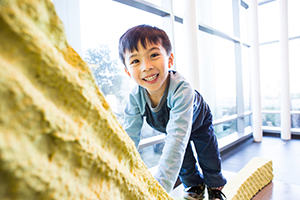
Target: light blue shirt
(179,100)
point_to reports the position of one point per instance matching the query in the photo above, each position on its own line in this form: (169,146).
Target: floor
(284,154)
(286,166)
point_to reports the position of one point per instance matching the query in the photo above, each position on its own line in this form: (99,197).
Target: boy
(172,106)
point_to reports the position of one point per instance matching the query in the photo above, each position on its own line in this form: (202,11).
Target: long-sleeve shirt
(173,116)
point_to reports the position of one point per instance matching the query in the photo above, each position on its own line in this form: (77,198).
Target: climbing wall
(58,136)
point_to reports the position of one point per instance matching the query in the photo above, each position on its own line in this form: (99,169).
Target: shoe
(195,193)
(214,194)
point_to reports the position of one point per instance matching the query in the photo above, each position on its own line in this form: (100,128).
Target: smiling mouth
(151,78)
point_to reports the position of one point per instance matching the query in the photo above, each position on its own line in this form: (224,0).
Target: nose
(147,65)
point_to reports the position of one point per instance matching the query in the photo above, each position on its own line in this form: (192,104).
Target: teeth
(151,78)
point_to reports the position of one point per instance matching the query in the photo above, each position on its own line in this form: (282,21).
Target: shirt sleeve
(133,119)
(178,134)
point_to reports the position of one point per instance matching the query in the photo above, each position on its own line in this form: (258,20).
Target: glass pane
(294,52)
(155,2)
(178,6)
(293,18)
(295,118)
(248,121)
(216,14)
(217,74)
(268,21)
(225,81)
(271,120)
(246,78)
(148,131)
(179,50)
(270,76)
(225,129)
(151,154)
(243,24)
(102,24)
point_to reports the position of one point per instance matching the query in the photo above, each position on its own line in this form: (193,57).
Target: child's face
(149,66)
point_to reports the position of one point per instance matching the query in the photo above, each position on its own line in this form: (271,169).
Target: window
(103,22)
(225,129)
(216,14)
(293,16)
(271,119)
(294,49)
(155,2)
(270,76)
(218,61)
(218,82)
(178,6)
(244,25)
(179,49)
(270,63)
(246,78)
(294,62)
(268,21)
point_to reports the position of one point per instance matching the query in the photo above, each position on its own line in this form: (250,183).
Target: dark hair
(142,33)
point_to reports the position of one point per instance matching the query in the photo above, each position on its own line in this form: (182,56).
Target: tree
(107,73)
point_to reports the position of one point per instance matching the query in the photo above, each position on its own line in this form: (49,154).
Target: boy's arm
(133,120)
(178,134)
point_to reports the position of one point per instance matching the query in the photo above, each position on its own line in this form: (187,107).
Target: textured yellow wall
(58,137)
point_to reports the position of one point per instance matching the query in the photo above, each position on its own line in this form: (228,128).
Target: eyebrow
(153,48)
(132,55)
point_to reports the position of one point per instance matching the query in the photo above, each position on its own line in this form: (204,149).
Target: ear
(127,72)
(171,60)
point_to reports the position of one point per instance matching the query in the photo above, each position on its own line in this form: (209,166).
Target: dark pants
(206,146)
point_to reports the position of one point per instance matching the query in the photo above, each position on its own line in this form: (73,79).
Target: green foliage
(106,71)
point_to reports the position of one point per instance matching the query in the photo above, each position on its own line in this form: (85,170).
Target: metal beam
(145,6)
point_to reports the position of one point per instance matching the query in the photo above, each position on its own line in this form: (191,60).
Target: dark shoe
(215,194)
(195,193)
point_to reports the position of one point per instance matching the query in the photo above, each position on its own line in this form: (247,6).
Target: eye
(154,55)
(134,61)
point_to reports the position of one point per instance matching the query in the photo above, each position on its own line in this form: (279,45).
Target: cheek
(161,63)
(133,72)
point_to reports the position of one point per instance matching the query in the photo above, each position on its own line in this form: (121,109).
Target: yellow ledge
(250,180)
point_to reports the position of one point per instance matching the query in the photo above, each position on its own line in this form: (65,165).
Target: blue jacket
(181,109)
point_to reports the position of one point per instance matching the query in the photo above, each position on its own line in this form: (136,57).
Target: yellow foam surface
(58,136)
(250,180)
